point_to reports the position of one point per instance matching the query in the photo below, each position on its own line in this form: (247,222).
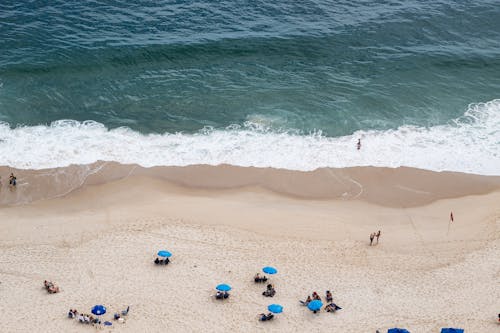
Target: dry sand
(94,230)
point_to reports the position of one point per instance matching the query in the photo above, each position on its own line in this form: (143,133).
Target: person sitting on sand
(316,296)
(270,292)
(72,313)
(166,261)
(264,317)
(157,261)
(329,297)
(307,301)
(226,294)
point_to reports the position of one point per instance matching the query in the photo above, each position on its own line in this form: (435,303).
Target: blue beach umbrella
(269,270)
(98,310)
(452,330)
(397,330)
(223,287)
(315,305)
(275,308)
(164,253)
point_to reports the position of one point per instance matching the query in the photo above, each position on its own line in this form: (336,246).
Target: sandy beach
(95,229)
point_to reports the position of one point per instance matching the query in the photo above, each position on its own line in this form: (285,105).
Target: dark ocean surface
(288,84)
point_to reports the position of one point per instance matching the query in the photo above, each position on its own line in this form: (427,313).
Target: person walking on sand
(377,235)
(12,180)
(372,236)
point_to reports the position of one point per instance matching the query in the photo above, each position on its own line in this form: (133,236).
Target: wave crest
(469,144)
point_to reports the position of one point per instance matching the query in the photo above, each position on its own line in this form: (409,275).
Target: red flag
(451,216)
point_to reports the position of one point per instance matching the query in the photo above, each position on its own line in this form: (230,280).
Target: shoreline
(408,187)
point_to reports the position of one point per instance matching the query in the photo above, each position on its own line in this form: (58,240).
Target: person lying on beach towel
(50,287)
(125,312)
(332,307)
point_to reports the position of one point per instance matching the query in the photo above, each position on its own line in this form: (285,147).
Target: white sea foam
(468,144)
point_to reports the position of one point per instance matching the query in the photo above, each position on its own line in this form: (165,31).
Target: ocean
(283,84)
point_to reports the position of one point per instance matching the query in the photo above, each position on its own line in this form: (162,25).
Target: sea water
(284,84)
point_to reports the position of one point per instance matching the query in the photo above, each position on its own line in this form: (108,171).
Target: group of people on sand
(83,318)
(330,307)
(259,279)
(159,261)
(89,319)
(50,287)
(374,235)
(221,295)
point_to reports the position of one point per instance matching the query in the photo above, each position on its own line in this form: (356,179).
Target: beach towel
(452,330)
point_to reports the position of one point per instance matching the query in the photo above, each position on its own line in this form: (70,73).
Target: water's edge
(412,186)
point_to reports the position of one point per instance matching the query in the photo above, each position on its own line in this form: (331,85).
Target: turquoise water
(277,72)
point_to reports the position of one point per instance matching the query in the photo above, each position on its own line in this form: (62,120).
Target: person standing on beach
(377,235)
(372,236)
(12,180)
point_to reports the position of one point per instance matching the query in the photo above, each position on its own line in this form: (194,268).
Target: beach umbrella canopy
(452,330)
(98,310)
(269,270)
(315,305)
(398,330)
(164,253)
(275,308)
(223,287)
